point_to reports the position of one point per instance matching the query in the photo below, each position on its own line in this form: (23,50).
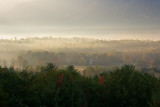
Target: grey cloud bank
(82,16)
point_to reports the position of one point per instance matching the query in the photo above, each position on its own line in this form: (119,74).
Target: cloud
(49,12)
(104,13)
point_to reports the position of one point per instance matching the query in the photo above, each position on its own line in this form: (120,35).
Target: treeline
(39,58)
(52,86)
(79,52)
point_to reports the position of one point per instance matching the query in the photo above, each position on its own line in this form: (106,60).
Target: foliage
(123,87)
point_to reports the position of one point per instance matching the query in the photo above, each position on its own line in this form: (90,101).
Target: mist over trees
(80,72)
(79,51)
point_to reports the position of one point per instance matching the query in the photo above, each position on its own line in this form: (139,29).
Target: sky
(122,19)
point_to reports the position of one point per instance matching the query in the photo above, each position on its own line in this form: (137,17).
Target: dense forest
(123,87)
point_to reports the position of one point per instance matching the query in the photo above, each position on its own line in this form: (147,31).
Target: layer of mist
(20,53)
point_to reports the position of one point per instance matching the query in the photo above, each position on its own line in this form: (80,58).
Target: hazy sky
(97,17)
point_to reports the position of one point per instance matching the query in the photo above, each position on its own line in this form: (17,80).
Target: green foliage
(49,67)
(156,94)
(123,87)
(129,87)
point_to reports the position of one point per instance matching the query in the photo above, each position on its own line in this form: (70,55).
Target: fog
(79,53)
(47,28)
(34,52)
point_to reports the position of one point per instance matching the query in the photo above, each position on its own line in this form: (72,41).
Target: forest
(83,53)
(54,87)
(79,52)
(79,72)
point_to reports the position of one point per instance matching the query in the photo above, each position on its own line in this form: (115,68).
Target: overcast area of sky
(107,18)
